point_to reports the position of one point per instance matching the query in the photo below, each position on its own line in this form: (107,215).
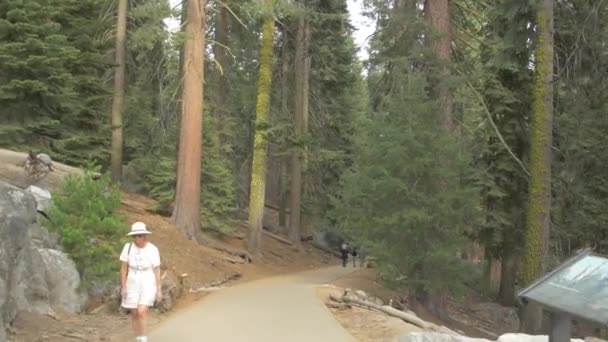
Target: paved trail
(281,309)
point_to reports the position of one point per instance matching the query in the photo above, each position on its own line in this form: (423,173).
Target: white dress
(141,281)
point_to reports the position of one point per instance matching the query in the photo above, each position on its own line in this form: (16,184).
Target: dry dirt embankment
(190,270)
(206,269)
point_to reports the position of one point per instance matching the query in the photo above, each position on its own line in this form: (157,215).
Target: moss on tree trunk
(258,172)
(539,187)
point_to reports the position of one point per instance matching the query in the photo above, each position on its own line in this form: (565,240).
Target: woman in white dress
(140,278)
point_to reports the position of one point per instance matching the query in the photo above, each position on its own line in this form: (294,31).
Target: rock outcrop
(425,336)
(34,275)
(12,171)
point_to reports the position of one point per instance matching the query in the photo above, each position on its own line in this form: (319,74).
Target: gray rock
(43,197)
(171,292)
(528,338)
(424,336)
(33,277)
(2,301)
(63,280)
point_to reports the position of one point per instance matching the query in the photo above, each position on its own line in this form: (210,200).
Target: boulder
(172,290)
(34,276)
(62,279)
(425,336)
(43,197)
(12,171)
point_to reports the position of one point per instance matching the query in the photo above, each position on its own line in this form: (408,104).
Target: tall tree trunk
(183,20)
(438,15)
(118,99)
(186,214)
(297,158)
(282,160)
(258,169)
(219,52)
(487,272)
(539,186)
(306,227)
(508,272)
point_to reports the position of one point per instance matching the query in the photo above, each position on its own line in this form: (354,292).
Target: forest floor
(209,270)
(205,268)
(473,316)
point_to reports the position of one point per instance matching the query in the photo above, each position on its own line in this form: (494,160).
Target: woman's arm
(124,268)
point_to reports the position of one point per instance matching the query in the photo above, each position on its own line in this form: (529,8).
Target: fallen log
(278,238)
(408,317)
(233,260)
(215,285)
(383,308)
(241,254)
(339,306)
(229,250)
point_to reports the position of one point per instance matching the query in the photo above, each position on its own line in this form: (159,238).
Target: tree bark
(508,272)
(219,52)
(305,226)
(258,169)
(487,272)
(285,111)
(539,186)
(301,122)
(186,214)
(438,15)
(118,99)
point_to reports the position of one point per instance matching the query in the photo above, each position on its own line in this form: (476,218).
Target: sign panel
(578,287)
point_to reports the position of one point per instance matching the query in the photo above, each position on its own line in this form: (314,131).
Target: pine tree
(406,169)
(221,65)
(186,213)
(438,16)
(541,134)
(53,94)
(258,170)
(300,128)
(119,91)
(504,86)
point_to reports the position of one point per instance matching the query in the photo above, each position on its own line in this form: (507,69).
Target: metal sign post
(560,327)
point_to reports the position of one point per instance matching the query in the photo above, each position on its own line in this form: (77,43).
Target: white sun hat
(139,228)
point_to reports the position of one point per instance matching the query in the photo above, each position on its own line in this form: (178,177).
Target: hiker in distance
(344,253)
(354,254)
(140,283)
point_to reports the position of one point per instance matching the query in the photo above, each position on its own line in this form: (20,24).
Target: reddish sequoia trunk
(186,213)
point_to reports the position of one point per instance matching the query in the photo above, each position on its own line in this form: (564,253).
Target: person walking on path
(344,253)
(354,254)
(140,278)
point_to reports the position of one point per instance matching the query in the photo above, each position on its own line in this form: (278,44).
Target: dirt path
(281,309)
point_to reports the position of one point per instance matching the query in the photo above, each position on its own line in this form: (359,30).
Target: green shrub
(91,232)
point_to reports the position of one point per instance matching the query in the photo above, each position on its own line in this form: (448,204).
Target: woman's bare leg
(142,312)
(134,321)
